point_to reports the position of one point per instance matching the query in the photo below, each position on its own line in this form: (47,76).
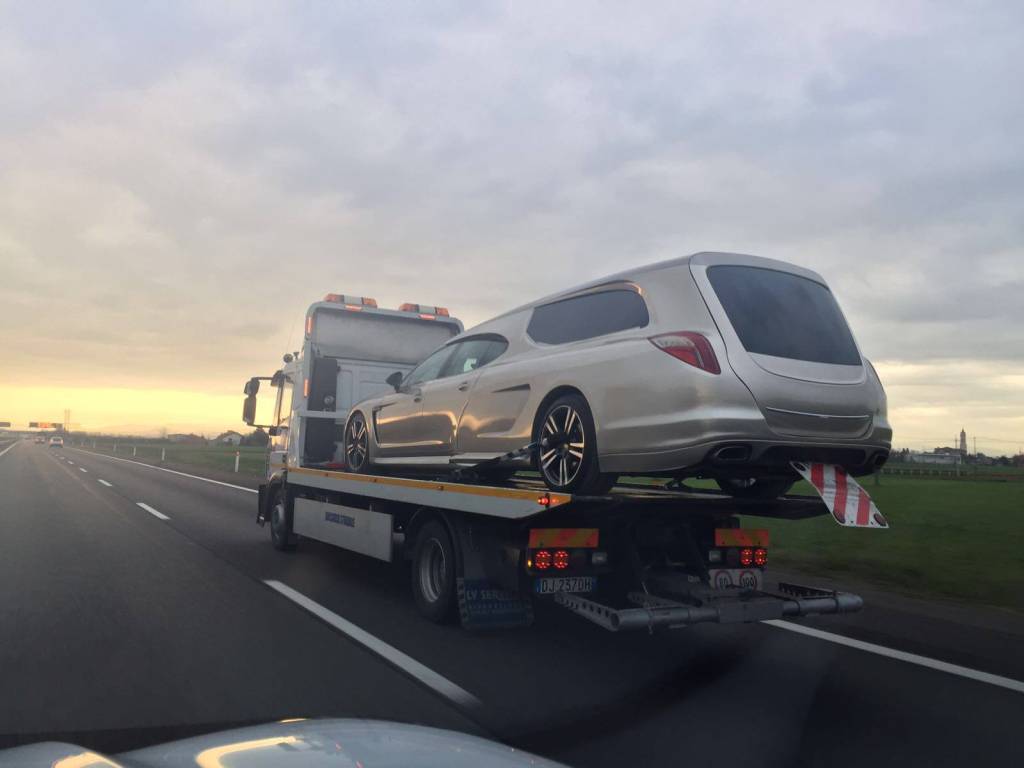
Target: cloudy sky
(178,182)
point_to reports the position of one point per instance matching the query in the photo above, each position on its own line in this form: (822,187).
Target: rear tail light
(746,557)
(761,557)
(692,348)
(561,559)
(542,560)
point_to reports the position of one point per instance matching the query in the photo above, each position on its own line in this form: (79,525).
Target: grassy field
(251,461)
(955,539)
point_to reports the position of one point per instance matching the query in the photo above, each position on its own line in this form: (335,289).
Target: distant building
(940,456)
(229,438)
(188,439)
(963,441)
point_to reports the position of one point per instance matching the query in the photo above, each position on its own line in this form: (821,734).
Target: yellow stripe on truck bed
(741,537)
(563,537)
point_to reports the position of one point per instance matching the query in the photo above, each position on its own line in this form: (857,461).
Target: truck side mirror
(252,386)
(395,380)
(249,408)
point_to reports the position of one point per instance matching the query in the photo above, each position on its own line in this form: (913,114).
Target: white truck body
(350,347)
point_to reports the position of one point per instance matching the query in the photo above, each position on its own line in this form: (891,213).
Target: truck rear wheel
(281,534)
(433,573)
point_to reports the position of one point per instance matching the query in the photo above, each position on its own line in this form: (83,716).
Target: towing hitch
(655,612)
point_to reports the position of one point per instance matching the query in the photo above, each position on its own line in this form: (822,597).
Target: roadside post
(237,453)
(134,449)
(163,454)
(115,447)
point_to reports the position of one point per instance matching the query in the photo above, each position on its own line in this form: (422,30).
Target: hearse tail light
(692,348)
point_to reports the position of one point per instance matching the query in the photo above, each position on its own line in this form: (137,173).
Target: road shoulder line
(407,664)
(892,653)
(172,471)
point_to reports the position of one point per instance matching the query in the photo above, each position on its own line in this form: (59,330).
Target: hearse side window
(472,354)
(587,316)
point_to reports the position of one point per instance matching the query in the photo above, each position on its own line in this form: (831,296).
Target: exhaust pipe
(731,454)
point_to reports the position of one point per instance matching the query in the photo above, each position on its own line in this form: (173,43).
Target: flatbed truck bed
(643,556)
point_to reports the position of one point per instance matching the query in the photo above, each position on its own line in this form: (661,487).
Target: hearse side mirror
(395,380)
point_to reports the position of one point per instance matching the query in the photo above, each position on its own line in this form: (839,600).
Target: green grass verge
(953,539)
(252,462)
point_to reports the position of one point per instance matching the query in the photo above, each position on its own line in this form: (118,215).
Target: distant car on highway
(41,440)
(712,365)
(56,442)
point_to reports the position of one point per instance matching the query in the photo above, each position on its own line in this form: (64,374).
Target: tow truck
(650,554)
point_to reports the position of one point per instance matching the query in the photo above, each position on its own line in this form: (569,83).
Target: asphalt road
(122,626)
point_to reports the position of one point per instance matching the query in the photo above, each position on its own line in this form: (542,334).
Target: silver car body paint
(652,412)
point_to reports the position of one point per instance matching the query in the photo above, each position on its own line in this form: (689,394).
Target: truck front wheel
(433,573)
(281,520)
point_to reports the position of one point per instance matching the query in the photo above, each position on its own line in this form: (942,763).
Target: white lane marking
(407,664)
(71,462)
(5,450)
(152,511)
(104,482)
(892,653)
(82,469)
(173,472)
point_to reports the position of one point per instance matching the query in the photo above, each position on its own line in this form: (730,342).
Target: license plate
(564,584)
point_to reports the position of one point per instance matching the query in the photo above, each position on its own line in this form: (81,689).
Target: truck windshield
(784,315)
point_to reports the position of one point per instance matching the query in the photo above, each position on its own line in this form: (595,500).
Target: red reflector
(561,559)
(544,501)
(309,325)
(746,557)
(692,348)
(761,557)
(542,560)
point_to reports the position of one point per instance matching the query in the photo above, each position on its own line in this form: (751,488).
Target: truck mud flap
(484,603)
(653,612)
(261,505)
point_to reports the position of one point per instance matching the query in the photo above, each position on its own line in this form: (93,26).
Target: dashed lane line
(153,512)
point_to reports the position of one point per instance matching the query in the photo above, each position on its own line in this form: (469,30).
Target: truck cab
(350,350)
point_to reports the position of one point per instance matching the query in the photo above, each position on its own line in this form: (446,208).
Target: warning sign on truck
(849,504)
(736,578)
